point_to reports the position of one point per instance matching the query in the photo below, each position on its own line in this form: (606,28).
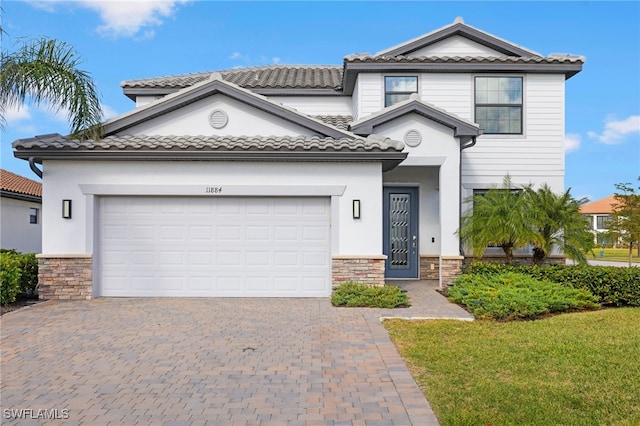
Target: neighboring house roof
(602,206)
(16,186)
(259,79)
(215,83)
(461,127)
(458,28)
(295,148)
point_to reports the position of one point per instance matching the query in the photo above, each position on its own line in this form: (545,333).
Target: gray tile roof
(266,77)
(211,143)
(559,59)
(340,121)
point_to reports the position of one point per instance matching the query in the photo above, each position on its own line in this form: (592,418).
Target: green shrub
(611,284)
(29,274)
(512,296)
(18,275)
(352,294)
(9,277)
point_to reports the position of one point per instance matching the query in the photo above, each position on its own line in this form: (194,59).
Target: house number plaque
(213,190)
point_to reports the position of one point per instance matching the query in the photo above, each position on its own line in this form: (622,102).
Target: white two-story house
(287,180)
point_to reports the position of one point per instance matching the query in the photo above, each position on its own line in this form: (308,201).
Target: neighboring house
(286,180)
(599,214)
(20,213)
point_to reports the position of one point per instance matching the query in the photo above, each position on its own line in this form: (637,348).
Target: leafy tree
(499,217)
(557,220)
(625,217)
(45,72)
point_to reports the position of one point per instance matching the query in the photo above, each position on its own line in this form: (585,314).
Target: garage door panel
(229,247)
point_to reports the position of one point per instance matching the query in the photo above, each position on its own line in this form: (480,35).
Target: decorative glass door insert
(401,231)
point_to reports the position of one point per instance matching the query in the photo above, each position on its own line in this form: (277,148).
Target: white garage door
(221,247)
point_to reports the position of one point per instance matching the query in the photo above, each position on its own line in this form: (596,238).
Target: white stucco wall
(193,119)
(15,230)
(63,180)
(434,165)
(317,105)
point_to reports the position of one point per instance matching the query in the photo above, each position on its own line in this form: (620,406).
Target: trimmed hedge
(352,294)
(611,284)
(515,296)
(18,275)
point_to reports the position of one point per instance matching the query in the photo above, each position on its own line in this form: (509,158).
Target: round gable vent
(218,119)
(412,138)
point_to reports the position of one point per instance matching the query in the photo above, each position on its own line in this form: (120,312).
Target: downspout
(32,165)
(466,145)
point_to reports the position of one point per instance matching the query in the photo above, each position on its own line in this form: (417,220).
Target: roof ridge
(231,70)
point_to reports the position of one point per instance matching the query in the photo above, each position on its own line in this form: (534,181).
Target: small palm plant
(557,220)
(499,217)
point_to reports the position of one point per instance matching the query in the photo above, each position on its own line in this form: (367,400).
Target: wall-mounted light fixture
(356,209)
(66,209)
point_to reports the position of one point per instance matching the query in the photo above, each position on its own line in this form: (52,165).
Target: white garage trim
(210,190)
(162,246)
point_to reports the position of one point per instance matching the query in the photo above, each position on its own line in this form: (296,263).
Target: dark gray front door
(400,228)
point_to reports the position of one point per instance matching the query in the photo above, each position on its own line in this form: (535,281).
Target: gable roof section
(213,85)
(290,79)
(212,148)
(16,186)
(461,29)
(461,128)
(602,206)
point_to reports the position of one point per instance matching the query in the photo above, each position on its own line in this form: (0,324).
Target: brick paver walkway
(210,361)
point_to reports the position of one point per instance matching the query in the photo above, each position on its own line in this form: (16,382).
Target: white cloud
(571,142)
(108,112)
(15,114)
(134,18)
(615,131)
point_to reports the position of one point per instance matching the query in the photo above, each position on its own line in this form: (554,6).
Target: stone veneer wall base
(362,269)
(65,276)
(429,267)
(450,269)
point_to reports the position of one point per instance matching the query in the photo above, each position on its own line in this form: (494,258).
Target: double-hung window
(33,215)
(602,222)
(498,103)
(399,88)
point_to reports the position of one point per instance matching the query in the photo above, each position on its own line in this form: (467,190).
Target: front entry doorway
(400,231)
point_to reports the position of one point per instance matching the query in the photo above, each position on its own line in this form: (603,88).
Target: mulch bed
(21,302)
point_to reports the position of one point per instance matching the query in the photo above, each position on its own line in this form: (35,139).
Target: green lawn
(570,369)
(617,255)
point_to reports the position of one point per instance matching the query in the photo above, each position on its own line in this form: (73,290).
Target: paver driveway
(205,361)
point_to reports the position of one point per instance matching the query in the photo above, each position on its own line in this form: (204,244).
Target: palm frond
(45,72)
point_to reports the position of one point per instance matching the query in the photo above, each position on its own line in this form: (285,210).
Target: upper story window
(33,215)
(499,105)
(602,222)
(399,88)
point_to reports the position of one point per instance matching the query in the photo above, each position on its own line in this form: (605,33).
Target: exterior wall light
(66,209)
(356,209)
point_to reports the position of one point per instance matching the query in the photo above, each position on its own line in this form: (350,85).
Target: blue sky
(130,40)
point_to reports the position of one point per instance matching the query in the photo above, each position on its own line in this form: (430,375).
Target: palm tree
(45,71)
(558,223)
(500,217)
